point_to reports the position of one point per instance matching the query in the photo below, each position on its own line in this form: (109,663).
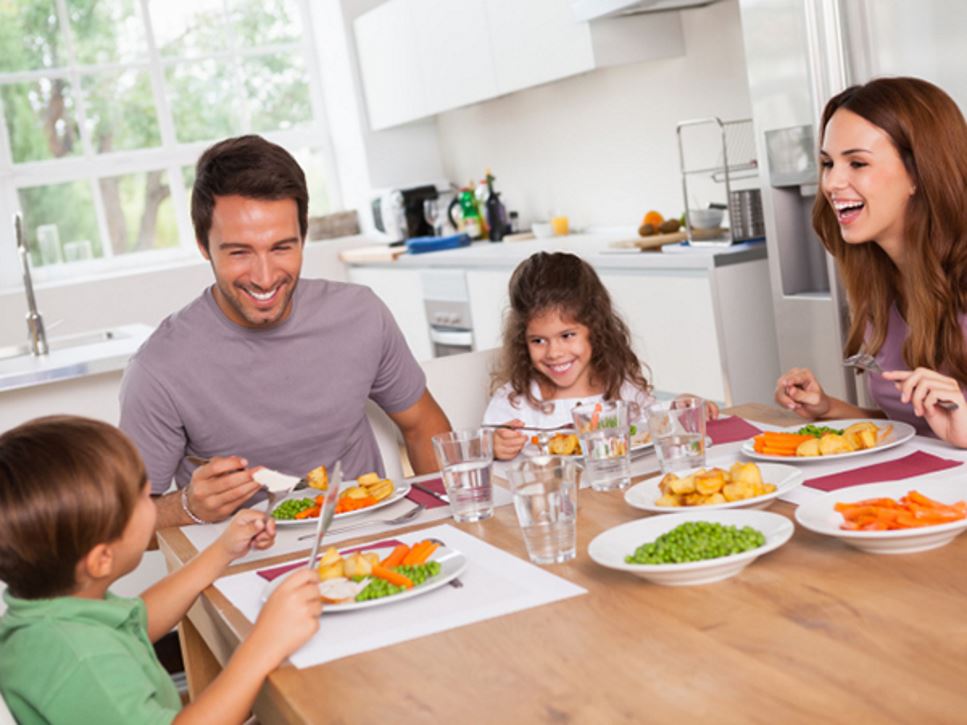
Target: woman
(893,212)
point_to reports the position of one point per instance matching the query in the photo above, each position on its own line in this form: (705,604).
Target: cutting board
(651,242)
(381,253)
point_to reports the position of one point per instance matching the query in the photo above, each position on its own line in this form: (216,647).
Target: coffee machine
(398,213)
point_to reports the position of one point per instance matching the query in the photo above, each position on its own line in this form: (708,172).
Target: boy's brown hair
(67,484)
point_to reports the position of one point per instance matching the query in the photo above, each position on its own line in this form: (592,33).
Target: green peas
(697,541)
(287,510)
(818,431)
(379,588)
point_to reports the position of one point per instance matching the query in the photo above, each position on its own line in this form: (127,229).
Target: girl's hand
(923,389)
(508,443)
(799,391)
(290,616)
(248,529)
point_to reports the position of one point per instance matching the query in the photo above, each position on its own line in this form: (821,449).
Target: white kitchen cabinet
(487,289)
(420,57)
(454,52)
(393,80)
(402,291)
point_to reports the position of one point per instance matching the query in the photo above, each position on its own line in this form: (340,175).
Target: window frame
(170,156)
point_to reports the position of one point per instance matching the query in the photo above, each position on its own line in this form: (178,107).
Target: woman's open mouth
(848,211)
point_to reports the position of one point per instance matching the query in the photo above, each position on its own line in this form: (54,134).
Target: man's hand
(220,486)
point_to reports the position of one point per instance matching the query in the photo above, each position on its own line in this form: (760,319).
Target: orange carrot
(396,557)
(595,416)
(426,552)
(911,511)
(393,577)
(308,513)
(411,558)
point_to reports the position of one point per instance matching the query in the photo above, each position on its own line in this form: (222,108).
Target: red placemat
(430,502)
(916,464)
(730,430)
(276,571)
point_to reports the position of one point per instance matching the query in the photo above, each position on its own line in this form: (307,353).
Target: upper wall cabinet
(420,57)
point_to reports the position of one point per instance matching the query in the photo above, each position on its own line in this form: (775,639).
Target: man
(265,369)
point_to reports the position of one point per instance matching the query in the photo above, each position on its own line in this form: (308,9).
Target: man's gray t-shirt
(290,397)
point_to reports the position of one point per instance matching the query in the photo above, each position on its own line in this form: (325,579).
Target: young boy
(76,515)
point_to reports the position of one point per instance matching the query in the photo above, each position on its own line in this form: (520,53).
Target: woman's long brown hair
(929,132)
(565,283)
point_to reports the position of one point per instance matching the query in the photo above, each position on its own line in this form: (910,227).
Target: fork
(455,582)
(401,519)
(865,361)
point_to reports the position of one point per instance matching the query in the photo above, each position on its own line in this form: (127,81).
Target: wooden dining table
(814,631)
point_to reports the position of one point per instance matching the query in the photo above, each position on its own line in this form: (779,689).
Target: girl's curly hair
(569,285)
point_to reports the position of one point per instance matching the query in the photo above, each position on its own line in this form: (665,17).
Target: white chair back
(459,383)
(5,717)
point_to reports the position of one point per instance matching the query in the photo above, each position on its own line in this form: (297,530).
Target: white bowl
(644,495)
(542,230)
(818,515)
(610,548)
(705,218)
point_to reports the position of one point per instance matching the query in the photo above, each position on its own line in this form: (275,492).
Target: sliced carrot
(393,577)
(396,556)
(308,513)
(912,511)
(411,558)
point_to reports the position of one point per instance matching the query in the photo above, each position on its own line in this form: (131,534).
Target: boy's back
(71,659)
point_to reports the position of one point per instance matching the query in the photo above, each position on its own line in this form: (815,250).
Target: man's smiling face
(256,254)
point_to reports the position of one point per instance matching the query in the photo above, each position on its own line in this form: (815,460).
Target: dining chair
(5,717)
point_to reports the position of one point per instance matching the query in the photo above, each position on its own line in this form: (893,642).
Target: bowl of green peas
(697,547)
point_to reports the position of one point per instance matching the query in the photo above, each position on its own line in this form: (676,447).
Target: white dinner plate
(452,564)
(818,515)
(644,495)
(901,433)
(610,548)
(399,491)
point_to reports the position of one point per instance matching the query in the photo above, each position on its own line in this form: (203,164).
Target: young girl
(563,344)
(75,515)
(893,212)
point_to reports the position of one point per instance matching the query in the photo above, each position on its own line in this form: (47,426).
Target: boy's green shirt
(73,660)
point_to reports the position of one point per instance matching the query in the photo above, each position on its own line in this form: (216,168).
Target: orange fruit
(653,218)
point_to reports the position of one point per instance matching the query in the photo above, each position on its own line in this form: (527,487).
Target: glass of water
(604,432)
(465,458)
(678,429)
(546,500)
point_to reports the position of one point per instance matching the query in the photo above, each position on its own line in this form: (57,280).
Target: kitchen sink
(65,342)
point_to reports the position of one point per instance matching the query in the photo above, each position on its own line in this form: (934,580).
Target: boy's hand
(508,443)
(290,616)
(799,391)
(247,530)
(220,486)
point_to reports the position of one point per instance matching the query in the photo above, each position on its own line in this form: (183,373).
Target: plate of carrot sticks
(896,517)
(828,440)
(362,577)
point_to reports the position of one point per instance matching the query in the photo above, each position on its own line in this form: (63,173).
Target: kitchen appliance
(398,213)
(446,299)
(798,54)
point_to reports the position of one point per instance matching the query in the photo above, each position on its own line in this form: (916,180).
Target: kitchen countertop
(595,248)
(74,356)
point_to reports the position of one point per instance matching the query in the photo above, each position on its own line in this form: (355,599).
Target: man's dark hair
(246,166)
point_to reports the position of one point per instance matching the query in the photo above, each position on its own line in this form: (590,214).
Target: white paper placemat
(287,538)
(494,584)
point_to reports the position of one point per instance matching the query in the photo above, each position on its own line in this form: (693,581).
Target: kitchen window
(105,105)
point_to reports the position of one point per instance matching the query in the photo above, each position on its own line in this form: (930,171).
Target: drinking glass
(48,244)
(546,500)
(431,212)
(603,429)
(678,430)
(78,250)
(465,458)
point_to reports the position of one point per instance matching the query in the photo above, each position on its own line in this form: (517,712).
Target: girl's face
(560,348)
(129,549)
(865,181)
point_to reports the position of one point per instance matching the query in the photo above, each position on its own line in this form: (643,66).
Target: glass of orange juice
(559,225)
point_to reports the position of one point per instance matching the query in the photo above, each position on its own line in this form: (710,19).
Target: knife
(325,515)
(430,491)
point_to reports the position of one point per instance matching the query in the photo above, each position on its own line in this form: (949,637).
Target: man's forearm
(170,512)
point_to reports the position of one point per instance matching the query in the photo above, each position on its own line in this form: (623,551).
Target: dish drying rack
(736,160)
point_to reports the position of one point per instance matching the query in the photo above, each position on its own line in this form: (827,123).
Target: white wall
(601,147)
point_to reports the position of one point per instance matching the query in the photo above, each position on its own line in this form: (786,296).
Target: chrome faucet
(35,321)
